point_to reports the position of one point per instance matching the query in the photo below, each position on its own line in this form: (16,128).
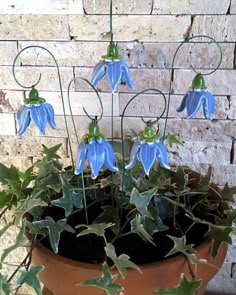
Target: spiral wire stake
(39,79)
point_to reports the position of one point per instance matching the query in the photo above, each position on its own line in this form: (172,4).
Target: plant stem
(3,212)
(190,269)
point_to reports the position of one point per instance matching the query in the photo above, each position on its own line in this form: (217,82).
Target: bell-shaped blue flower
(96,150)
(196,97)
(114,68)
(147,150)
(36,110)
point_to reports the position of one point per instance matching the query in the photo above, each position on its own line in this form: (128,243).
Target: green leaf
(122,262)
(218,236)
(228,192)
(205,181)
(26,205)
(21,241)
(172,139)
(184,287)
(70,197)
(105,282)
(51,152)
(142,200)
(138,228)
(30,277)
(6,199)
(55,228)
(97,229)
(35,229)
(180,246)
(180,178)
(8,174)
(4,285)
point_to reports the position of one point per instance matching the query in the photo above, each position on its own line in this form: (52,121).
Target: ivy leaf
(97,229)
(219,236)
(180,178)
(180,246)
(122,262)
(36,229)
(70,197)
(184,287)
(55,228)
(172,139)
(27,177)
(228,192)
(142,200)
(138,228)
(205,181)
(8,174)
(51,152)
(4,285)
(105,282)
(30,277)
(21,241)
(26,205)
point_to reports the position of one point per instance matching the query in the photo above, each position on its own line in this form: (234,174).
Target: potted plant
(125,224)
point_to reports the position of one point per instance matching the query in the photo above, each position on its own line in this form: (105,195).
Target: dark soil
(91,248)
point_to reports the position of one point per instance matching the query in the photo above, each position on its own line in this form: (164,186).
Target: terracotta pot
(61,274)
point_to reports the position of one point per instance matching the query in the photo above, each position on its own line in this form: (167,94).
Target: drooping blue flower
(196,97)
(147,150)
(114,68)
(36,110)
(96,150)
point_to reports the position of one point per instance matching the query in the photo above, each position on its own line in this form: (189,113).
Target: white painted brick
(34,27)
(7,124)
(153,105)
(78,100)
(191,7)
(29,75)
(160,55)
(41,7)
(220,27)
(10,101)
(232,108)
(200,152)
(119,7)
(127,28)
(233,7)
(222,285)
(8,51)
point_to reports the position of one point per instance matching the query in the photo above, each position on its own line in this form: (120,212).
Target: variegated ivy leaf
(219,236)
(122,262)
(54,229)
(4,285)
(142,200)
(184,287)
(138,228)
(21,241)
(26,205)
(228,192)
(97,229)
(30,277)
(180,246)
(105,282)
(70,197)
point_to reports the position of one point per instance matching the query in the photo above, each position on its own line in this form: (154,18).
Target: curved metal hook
(172,68)
(98,96)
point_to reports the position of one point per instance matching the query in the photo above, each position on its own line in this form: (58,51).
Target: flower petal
(98,73)
(208,105)
(162,154)
(183,103)
(114,73)
(194,102)
(109,156)
(96,156)
(23,117)
(133,155)
(50,115)
(126,75)
(39,117)
(80,157)
(147,155)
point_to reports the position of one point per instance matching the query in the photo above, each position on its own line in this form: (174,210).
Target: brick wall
(148,32)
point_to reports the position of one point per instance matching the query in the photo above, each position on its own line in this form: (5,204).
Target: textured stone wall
(148,32)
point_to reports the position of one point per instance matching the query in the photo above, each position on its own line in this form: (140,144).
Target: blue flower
(37,110)
(96,150)
(114,68)
(198,97)
(147,150)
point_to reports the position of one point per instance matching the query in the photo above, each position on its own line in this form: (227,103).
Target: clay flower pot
(62,274)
